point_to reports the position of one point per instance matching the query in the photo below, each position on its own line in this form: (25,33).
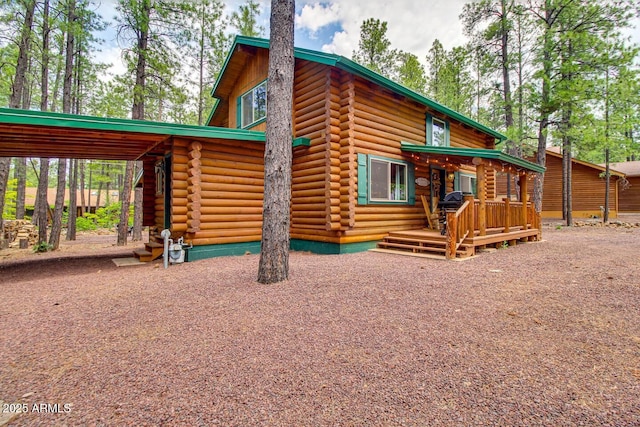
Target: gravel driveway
(543,333)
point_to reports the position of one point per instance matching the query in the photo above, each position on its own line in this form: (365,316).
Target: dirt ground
(544,333)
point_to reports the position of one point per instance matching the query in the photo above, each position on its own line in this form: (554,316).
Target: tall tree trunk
(136,236)
(274,253)
(137,113)
(125,198)
(545,107)
(73,202)
(20,171)
(42,205)
(607,178)
(56,226)
(17,89)
(41,208)
(83,205)
(201,89)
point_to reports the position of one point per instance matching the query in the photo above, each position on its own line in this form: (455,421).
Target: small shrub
(558,227)
(85,223)
(42,247)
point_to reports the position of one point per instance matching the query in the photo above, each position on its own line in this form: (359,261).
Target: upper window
(253,105)
(437,132)
(387,181)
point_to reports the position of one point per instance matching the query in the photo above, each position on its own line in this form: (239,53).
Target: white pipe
(165,255)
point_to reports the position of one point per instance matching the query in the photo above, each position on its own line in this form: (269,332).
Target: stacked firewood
(20,230)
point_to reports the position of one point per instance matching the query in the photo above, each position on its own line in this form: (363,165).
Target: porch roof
(470,153)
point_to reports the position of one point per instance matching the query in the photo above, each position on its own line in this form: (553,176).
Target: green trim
(230,249)
(363,180)
(410,182)
(430,119)
(301,142)
(483,153)
(326,248)
(235,249)
(27,117)
(357,69)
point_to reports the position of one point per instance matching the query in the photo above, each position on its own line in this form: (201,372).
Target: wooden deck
(432,243)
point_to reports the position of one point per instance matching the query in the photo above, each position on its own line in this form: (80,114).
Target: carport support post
(482,196)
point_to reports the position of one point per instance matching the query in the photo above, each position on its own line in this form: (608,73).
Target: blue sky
(334,26)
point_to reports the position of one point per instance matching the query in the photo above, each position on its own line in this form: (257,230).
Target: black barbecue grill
(451,201)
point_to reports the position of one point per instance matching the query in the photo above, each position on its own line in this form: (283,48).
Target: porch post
(507,213)
(482,196)
(523,197)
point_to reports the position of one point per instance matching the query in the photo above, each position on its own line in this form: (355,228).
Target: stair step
(156,249)
(143,255)
(412,247)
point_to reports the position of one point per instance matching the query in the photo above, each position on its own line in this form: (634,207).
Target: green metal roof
(482,153)
(44,134)
(357,69)
(28,117)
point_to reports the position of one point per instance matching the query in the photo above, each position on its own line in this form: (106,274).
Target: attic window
(437,132)
(253,105)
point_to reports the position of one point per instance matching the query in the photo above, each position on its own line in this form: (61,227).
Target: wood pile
(20,229)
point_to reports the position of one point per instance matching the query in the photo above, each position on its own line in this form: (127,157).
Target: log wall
(381,120)
(587,188)
(228,176)
(629,199)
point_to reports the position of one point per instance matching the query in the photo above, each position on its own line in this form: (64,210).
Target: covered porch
(479,221)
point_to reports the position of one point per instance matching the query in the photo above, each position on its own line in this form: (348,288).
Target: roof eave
(355,68)
(483,153)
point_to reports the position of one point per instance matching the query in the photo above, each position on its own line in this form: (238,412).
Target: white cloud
(112,55)
(412,26)
(315,16)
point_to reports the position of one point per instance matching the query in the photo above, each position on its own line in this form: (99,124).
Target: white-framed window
(387,181)
(253,105)
(437,132)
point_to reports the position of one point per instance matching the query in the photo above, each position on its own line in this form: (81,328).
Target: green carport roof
(482,153)
(25,133)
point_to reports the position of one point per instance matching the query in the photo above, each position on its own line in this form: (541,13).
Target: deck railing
(502,216)
(506,214)
(458,227)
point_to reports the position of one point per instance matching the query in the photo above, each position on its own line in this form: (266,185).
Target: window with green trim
(252,106)
(382,180)
(387,181)
(437,132)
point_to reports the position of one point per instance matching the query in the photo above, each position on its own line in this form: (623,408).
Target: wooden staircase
(426,243)
(152,250)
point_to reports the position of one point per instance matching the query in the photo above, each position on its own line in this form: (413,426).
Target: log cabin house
(371,160)
(629,188)
(587,187)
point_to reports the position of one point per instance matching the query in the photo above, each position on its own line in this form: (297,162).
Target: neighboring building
(588,188)
(629,189)
(365,151)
